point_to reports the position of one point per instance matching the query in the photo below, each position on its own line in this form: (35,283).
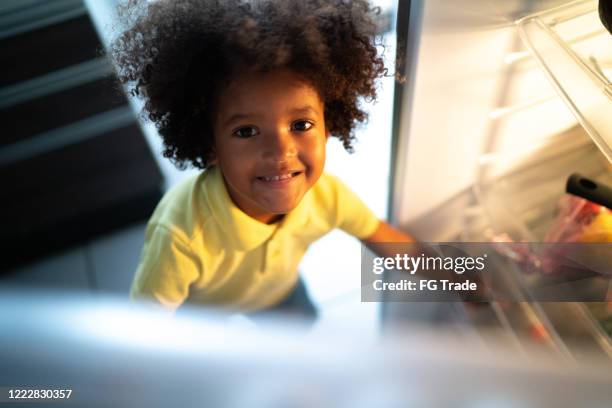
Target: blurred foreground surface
(114,354)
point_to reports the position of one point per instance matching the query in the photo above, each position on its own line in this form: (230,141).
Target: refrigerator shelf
(520,207)
(572,55)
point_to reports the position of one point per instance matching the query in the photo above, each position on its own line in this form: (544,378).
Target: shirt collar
(246,233)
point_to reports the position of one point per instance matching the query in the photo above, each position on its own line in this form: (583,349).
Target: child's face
(269,142)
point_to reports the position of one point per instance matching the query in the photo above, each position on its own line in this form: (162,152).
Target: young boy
(251,92)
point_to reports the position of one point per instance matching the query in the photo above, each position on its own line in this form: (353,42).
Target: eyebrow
(238,116)
(305,109)
(241,116)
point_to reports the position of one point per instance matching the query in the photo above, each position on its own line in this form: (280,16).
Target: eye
(301,125)
(245,132)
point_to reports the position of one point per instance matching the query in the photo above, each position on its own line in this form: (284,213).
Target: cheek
(315,157)
(234,163)
(319,150)
(230,152)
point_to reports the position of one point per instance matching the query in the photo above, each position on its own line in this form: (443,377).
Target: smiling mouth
(279,177)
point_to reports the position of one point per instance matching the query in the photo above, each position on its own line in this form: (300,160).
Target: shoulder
(348,210)
(331,190)
(183,210)
(327,188)
(329,195)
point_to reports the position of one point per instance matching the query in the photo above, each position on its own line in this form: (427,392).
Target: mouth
(279,179)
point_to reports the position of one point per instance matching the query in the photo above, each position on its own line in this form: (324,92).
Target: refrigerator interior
(506,104)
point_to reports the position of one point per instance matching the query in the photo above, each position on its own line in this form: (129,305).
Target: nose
(280,146)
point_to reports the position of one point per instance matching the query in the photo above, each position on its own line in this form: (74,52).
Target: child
(250,91)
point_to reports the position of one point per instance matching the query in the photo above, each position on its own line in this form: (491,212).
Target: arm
(167,268)
(385,233)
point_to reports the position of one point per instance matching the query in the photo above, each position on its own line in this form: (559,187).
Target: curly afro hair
(177,55)
(605,14)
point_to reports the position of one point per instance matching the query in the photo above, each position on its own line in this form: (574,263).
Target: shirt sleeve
(167,268)
(353,215)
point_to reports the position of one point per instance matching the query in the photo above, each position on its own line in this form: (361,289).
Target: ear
(212,159)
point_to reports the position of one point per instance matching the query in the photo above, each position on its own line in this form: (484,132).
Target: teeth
(277,178)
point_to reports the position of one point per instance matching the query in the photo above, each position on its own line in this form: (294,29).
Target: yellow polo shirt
(200,248)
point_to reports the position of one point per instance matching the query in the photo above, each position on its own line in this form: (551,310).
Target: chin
(281,208)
